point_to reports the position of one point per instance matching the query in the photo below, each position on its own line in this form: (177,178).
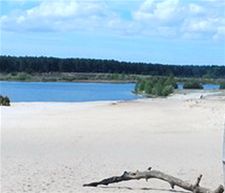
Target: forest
(28,64)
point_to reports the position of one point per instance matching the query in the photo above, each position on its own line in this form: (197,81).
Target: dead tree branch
(173,181)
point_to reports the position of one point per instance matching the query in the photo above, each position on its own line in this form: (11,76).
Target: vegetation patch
(222,85)
(193,84)
(155,86)
(4,101)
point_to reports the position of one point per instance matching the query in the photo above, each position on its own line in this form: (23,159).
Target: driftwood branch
(173,181)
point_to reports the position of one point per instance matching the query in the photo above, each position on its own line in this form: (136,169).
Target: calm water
(71,92)
(65,92)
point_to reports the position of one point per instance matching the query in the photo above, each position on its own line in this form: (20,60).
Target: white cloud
(66,8)
(175,18)
(167,18)
(159,16)
(158,11)
(196,9)
(220,33)
(59,15)
(206,24)
(54,9)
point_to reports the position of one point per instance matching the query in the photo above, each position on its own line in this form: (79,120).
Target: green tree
(167,90)
(193,84)
(148,87)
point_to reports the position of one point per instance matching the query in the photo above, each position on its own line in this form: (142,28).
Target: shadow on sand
(149,189)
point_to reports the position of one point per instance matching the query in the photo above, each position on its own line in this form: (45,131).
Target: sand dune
(56,147)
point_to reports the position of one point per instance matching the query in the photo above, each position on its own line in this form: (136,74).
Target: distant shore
(88,77)
(70,77)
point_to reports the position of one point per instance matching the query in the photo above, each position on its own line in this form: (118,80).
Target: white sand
(56,147)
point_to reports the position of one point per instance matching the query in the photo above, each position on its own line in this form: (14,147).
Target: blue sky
(157,31)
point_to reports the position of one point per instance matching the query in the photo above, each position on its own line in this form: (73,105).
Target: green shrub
(192,85)
(222,85)
(68,78)
(4,101)
(141,86)
(13,73)
(22,76)
(115,76)
(148,86)
(167,90)
(171,81)
(156,86)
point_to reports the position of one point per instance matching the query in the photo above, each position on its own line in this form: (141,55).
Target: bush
(141,86)
(4,101)
(222,85)
(192,85)
(156,86)
(148,87)
(167,90)
(22,76)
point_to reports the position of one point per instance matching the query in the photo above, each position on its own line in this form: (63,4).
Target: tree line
(30,64)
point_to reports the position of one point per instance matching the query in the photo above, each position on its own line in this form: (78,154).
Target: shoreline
(177,95)
(77,81)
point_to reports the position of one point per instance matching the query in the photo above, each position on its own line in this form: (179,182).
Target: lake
(71,92)
(66,92)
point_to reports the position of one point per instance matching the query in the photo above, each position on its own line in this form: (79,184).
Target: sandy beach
(57,147)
